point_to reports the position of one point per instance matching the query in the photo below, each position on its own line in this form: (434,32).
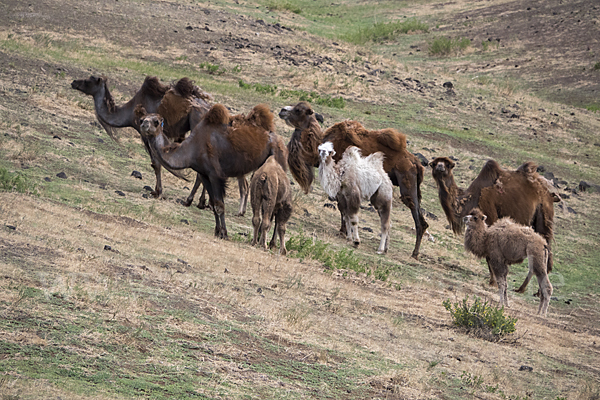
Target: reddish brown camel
(521,195)
(183,105)
(218,147)
(505,243)
(403,168)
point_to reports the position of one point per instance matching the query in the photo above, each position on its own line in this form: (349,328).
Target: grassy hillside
(107,293)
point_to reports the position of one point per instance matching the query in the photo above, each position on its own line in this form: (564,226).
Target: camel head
(299,116)
(441,167)
(150,124)
(90,85)
(475,217)
(326,152)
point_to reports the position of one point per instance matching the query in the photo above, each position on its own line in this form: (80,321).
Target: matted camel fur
(505,243)
(271,199)
(522,195)
(403,167)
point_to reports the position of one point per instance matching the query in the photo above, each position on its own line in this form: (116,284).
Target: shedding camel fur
(522,195)
(505,243)
(271,198)
(402,167)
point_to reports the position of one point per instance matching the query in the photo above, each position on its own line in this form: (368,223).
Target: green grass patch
(283,6)
(481,318)
(443,46)
(14,181)
(300,95)
(383,31)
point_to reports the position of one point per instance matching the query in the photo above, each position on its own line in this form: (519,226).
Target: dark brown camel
(521,195)
(505,243)
(183,105)
(218,147)
(403,168)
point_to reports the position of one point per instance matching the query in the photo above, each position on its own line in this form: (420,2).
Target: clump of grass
(283,6)
(443,46)
(481,318)
(11,181)
(382,31)
(212,68)
(597,66)
(302,246)
(593,107)
(301,95)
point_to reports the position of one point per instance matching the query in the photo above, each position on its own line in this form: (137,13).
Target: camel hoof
(186,203)
(356,244)
(240,214)
(155,194)
(415,256)
(520,291)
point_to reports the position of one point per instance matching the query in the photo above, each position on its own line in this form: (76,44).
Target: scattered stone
(185,221)
(136,174)
(306,213)
(11,227)
(367,229)
(448,85)
(100,140)
(525,368)
(259,290)
(120,193)
(107,247)
(146,196)
(431,216)
(453,158)
(61,175)
(56,137)
(329,205)
(47,179)
(568,301)
(423,159)
(147,188)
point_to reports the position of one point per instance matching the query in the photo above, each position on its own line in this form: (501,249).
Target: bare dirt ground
(280,311)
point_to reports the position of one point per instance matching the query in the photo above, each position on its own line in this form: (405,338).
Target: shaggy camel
(353,179)
(522,195)
(183,105)
(218,148)
(271,197)
(403,167)
(506,243)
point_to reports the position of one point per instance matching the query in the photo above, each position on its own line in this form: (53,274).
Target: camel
(522,195)
(353,179)
(403,167)
(505,243)
(271,198)
(183,105)
(216,149)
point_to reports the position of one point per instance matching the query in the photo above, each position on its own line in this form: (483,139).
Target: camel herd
(508,214)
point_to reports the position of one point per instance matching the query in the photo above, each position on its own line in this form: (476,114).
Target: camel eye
(155,122)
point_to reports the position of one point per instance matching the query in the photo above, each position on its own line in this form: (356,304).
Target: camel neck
(118,117)
(329,177)
(475,239)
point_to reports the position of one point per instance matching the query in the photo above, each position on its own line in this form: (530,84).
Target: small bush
(443,46)
(593,107)
(10,181)
(283,6)
(212,69)
(382,31)
(597,66)
(481,318)
(313,97)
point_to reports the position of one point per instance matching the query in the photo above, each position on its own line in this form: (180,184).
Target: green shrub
(481,318)
(11,181)
(302,246)
(212,69)
(597,66)
(283,6)
(443,46)
(382,31)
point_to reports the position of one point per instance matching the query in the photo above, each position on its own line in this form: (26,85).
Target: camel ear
(483,217)
(309,111)
(431,164)
(451,165)
(319,117)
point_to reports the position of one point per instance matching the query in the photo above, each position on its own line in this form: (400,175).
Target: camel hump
(262,116)
(217,115)
(490,172)
(185,87)
(393,139)
(153,88)
(529,169)
(376,159)
(352,131)
(353,154)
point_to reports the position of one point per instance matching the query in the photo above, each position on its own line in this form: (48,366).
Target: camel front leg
(190,198)
(384,210)
(158,188)
(409,194)
(492,275)
(243,187)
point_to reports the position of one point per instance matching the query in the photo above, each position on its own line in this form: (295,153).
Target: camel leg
(202,201)
(545,293)
(409,194)
(267,216)
(243,186)
(492,275)
(273,242)
(502,291)
(190,198)
(353,225)
(384,209)
(522,288)
(343,208)
(158,188)
(216,193)
(256,220)
(281,218)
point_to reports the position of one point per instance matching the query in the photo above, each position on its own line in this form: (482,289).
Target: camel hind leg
(538,264)
(384,209)
(243,187)
(158,188)
(410,195)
